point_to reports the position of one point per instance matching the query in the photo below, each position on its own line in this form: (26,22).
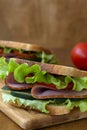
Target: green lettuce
(47,58)
(81,104)
(23,71)
(7,50)
(41,104)
(80,83)
(41,56)
(3,68)
(12,65)
(33,104)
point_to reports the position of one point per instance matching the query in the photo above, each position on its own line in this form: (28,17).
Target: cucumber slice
(26,94)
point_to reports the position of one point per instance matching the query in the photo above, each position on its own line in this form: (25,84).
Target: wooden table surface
(64,57)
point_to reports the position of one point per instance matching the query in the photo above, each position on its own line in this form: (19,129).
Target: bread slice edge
(24,46)
(56,69)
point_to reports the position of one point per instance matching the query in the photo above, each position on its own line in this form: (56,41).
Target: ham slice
(43,92)
(13,84)
(8,55)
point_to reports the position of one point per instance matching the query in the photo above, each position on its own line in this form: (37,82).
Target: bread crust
(57,69)
(57,110)
(24,46)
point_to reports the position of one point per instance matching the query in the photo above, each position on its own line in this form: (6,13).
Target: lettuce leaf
(33,104)
(7,50)
(81,104)
(12,65)
(80,83)
(47,58)
(41,104)
(3,68)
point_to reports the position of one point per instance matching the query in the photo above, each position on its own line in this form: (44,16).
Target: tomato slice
(24,55)
(70,86)
(52,86)
(1,51)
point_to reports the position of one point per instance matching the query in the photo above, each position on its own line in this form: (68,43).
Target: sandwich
(10,49)
(47,88)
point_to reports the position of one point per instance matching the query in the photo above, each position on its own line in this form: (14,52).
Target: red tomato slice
(70,86)
(24,55)
(52,86)
(1,51)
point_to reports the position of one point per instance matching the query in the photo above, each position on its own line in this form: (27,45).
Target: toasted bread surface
(57,110)
(57,69)
(24,46)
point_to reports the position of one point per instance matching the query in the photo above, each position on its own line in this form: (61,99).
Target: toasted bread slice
(57,110)
(57,69)
(24,46)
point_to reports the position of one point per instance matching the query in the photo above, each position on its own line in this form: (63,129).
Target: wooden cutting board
(35,120)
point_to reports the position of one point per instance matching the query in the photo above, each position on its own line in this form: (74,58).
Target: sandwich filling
(30,86)
(41,56)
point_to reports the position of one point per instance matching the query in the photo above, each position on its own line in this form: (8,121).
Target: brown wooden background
(57,23)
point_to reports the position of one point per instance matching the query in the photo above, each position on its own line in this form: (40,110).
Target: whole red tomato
(79,55)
